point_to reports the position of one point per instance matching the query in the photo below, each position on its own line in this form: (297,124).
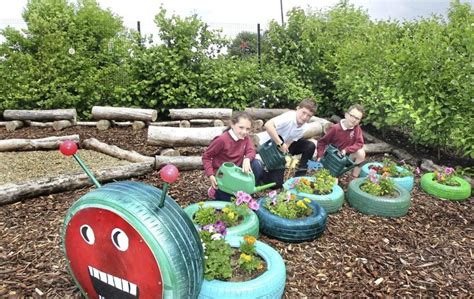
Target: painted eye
(120,239)
(87,234)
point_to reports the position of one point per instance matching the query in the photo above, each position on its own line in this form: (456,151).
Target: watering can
(231,178)
(271,156)
(335,162)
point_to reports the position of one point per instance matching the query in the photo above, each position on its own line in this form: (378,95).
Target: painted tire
(269,285)
(166,232)
(331,202)
(292,230)
(249,225)
(430,186)
(378,205)
(404,182)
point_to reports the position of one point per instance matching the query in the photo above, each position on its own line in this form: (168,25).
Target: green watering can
(231,178)
(335,162)
(271,156)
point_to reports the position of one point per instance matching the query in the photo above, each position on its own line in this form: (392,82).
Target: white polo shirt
(286,127)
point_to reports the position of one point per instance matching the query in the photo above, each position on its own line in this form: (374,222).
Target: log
(14,192)
(166,136)
(257,125)
(121,113)
(38,124)
(184,124)
(13,125)
(35,144)
(266,114)
(103,124)
(317,127)
(171,123)
(170,152)
(138,125)
(56,114)
(207,122)
(376,148)
(58,125)
(206,113)
(87,123)
(115,151)
(3,123)
(181,162)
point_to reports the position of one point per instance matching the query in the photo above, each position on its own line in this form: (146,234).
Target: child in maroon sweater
(347,136)
(234,145)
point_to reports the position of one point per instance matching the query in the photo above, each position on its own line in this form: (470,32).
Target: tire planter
(269,284)
(292,230)
(331,202)
(378,205)
(249,225)
(119,243)
(404,182)
(432,187)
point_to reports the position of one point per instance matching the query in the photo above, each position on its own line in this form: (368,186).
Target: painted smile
(109,286)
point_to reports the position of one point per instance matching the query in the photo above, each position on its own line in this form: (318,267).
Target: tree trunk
(56,114)
(257,124)
(3,123)
(170,152)
(181,162)
(40,124)
(376,148)
(191,113)
(15,192)
(13,125)
(121,113)
(171,123)
(35,144)
(170,136)
(261,113)
(103,124)
(115,151)
(207,122)
(58,125)
(138,125)
(184,124)
(87,123)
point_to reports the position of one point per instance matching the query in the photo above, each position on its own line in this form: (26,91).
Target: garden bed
(426,253)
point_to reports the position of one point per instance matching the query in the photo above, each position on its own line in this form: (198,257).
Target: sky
(236,16)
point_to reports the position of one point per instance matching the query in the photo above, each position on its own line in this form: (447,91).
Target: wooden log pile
(57,118)
(136,117)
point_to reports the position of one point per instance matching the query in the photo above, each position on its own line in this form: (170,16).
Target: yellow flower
(307,200)
(250,239)
(245,257)
(292,197)
(201,203)
(260,266)
(231,215)
(301,204)
(226,210)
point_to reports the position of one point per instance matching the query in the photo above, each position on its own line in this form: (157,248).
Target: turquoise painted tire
(432,187)
(269,284)
(331,202)
(249,225)
(404,182)
(168,232)
(292,230)
(378,205)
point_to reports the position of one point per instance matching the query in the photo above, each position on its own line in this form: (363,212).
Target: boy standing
(347,136)
(286,130)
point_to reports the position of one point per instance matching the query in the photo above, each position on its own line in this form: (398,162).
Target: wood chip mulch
(429,252)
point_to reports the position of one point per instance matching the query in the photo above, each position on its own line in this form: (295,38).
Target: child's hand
(246,168)
(213,181)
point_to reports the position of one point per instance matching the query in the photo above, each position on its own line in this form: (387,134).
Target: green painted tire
(168,232)
(432,187)
(377,205)
(331,202)
(249,225)
(269,284)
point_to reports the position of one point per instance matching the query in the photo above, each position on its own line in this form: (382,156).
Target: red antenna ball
(68,148)
(169,173)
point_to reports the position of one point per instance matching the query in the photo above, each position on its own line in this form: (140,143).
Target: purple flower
(272,194)
(253,204)
(239,201)
(219,226)
(209,228)
(418,170)
(247,198)
(449,170)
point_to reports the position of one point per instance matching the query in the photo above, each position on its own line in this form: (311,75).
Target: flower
(322,182)
(285,205)
(381,186)
(392,169)
(446,176)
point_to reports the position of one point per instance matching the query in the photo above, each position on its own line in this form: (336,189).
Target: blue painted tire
(404,182)
(248,226)
(269,284)
(432,187)
(331,202)
(378,205)
(292,230)
(167,230)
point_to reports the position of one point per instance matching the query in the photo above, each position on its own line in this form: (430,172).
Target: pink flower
(247,198)
(418,170)
(254,205)
(288,196)
(239,201)
(449,170)
(272,194)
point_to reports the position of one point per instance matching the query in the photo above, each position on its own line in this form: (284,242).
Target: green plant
(218,254)
(390,167)
(446,176)
(378,186)
(323,181)
(230,215)
(287,206)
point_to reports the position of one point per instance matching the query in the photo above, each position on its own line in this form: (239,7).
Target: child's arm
(324,141)
(213,150)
